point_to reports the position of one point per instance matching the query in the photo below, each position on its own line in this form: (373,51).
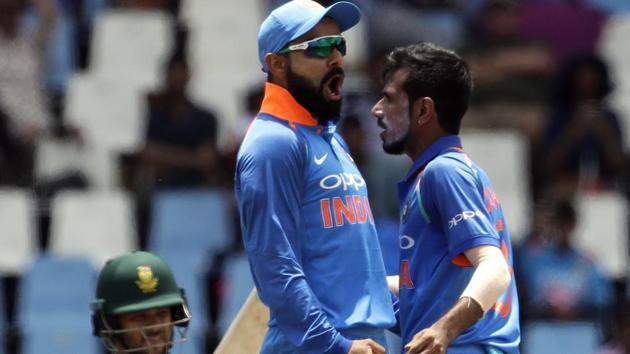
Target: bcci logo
(405,212)
(146,281)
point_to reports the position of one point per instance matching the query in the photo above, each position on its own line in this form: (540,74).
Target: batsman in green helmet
(138,307)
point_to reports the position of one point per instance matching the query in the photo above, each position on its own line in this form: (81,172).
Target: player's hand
(432,340)
(366,346)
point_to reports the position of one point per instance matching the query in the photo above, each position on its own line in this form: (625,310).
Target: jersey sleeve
(269,188)
(457,197)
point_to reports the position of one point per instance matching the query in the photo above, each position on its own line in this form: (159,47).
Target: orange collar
(279,103)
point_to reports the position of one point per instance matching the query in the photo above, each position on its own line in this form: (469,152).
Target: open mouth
(332,88)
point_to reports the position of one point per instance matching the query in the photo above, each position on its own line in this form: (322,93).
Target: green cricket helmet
(134,282)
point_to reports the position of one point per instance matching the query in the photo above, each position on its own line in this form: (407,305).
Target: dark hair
(565,81)
(565,212)
(434,72)
(173,60)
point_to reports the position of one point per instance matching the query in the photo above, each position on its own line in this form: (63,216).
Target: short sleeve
(457,197)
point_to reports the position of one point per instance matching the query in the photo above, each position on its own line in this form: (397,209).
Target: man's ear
(423,110)
(276,64)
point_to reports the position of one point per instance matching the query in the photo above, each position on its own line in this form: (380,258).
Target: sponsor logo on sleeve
(463,216)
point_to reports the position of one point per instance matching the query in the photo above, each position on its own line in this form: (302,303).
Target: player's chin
(392,148)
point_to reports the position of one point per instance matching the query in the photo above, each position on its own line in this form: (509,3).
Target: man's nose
(377,110)
(335,58)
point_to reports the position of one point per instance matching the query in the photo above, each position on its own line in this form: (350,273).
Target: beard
(312,98)
(397,146)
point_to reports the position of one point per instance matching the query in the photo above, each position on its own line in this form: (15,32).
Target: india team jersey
(309,233)
(447,207)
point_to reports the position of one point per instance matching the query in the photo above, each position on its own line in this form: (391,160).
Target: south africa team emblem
(146,282)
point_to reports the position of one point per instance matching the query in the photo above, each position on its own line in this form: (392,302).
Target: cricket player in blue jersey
(305,217)
(457,293)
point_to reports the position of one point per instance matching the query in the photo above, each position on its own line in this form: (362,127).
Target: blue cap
(297,17)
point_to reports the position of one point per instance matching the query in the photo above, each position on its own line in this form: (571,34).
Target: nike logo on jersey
(320,160)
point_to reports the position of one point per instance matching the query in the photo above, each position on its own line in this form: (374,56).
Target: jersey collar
(279,103)
(439,147)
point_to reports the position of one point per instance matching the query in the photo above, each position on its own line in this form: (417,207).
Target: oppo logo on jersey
(464,215)
(344,180)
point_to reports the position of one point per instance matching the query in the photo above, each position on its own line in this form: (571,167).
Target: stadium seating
(53,309)
(18,238)
(140,56)
(55,158)
(109,113)
(97,225)
(602,231)
(503,155)
(560,337)
(196,223)
(223,55)
(613,47)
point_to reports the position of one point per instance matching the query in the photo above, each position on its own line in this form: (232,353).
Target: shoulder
(271,139)
(450,166)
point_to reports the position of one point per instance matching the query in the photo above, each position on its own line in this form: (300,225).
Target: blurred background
(120,121)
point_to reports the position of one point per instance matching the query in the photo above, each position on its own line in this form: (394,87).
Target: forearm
(489,280)
(164,156)
(283,287)
(462,315)
(491,277)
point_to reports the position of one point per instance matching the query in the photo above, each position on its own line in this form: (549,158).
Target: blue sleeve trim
(475,241)
(341,345)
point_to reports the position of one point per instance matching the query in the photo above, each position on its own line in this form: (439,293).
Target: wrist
(462,315)
(341,345)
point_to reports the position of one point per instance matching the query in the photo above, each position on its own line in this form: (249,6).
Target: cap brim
(166,300)
(345,14)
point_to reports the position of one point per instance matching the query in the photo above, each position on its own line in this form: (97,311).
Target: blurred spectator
(610,6)
(14,166)
(22,95)
(559,281)
(171,6)
(180,148)
(395,23)
(620,343)
(582,145)
(511,73)
(570,27)
(140,4)
(354,136)
(251,104)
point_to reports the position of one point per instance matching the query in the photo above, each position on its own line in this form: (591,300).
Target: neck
(421,144)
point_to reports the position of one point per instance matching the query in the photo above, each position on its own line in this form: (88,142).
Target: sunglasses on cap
(320,47)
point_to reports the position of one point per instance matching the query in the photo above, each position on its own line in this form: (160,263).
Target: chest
(334,186)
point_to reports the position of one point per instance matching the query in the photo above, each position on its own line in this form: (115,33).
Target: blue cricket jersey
(447,207)
(309,232)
